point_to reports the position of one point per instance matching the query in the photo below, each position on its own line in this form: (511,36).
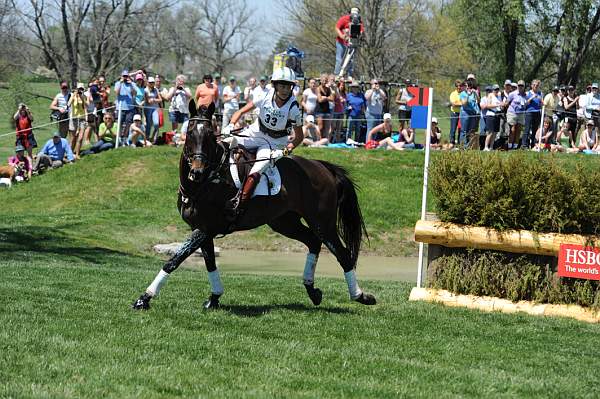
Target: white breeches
(264,145)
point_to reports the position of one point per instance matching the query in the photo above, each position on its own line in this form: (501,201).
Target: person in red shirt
(23,120)
(343,39)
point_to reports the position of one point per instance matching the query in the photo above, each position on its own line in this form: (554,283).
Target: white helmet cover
(284,74)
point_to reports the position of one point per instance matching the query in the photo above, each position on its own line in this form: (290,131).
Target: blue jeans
(99,147)
(373,120)
(126,121)
(453,126)
(151,115)
(468,123)
(340,50)
(532,124)
(354,127)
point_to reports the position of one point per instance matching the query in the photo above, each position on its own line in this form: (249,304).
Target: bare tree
(227,30)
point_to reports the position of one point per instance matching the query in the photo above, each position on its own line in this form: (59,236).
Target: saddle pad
(269,178)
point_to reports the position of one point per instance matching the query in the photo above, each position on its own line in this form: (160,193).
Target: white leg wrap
(154,288)
(216,287)
(353,287)
(309,268)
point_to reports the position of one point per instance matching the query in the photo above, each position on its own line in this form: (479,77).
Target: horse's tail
(350,223)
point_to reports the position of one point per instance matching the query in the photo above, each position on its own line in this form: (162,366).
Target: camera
(179,87)
(354,23)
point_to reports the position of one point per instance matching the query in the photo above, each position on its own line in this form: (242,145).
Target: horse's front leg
(196,239)
(216,287)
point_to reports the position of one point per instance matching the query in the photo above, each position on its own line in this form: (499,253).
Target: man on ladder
(349,29)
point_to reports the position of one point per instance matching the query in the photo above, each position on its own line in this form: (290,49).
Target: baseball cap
(507,82)
(521,83)
(354,10)
(217,75)
(80,86)
(137,117)
(434,120)
(264,78)
(150,79)
(594,85)
(513,84)
(387,116)
(496,87)
(589,122)
(470,76)
(571,87)
(488,88)
(310,119)
(139,76)
(56,134)
(231,78)
(19,147)
(555,88)
(125,72)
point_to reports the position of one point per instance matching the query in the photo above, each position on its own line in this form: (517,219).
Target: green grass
(67,331)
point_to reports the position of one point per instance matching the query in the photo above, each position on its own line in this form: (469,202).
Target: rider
(278,111)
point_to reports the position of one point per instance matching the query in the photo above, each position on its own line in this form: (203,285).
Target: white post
(425,175)
(118,138)
(542,128)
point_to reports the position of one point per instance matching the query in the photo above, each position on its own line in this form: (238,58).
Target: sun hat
(310,119)
(56,134)
(137,117)
(434,120)
(594,85)
(387,116)
(507,82)
(150,79)
(513,84)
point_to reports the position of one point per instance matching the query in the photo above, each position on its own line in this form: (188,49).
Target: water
(292,264)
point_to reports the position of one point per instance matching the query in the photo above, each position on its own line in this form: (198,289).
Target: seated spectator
(107,132)
(382,130)
(23,122)
(137,135)
(24,163)
(544,133)
(436,135)
(567,131)
(53,154)
(312,133)
(588,139)
(401,141)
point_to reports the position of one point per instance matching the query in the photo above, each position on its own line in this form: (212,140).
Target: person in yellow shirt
(455,105)
(551,101)
(78,104)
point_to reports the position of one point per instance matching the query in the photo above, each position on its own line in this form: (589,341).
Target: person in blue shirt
(53,154)
(469,113)
(126,92)
(356,104)
(533,114)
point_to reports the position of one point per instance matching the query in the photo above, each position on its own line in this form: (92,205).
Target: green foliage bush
(517,190)
(509,276)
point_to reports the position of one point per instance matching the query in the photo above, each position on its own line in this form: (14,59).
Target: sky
(271,13)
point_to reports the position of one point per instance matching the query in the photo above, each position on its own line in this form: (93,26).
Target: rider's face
(283,90)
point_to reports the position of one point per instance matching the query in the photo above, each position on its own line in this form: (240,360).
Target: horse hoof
(212,302)
(142,303)
(366,299)
(315,294)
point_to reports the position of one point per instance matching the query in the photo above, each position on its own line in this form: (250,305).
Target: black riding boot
(237,205)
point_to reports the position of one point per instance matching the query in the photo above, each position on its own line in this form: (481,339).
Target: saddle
(241,161)
(244,158)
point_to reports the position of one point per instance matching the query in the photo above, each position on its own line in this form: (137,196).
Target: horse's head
(200,148)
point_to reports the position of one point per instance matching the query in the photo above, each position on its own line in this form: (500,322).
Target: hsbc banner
(578,261)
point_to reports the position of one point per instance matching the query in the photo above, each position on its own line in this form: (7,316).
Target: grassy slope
(125,199)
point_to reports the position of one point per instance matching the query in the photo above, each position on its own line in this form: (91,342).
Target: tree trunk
(511,33)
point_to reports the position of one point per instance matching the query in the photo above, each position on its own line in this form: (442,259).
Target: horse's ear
(210,110)
(193,109)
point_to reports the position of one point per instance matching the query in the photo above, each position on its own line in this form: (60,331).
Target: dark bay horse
(317,192)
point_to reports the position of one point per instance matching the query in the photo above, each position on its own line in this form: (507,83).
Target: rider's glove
(226,131)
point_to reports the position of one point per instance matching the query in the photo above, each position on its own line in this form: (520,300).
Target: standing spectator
(60,108)
(258,94)
(179,95)
(492,111)
(140,94)
(339,105)
(455,105)
(593,105)
(231,100)
(219,84)
(23,123)
(323,110)
(249,89)
(533,114)
(207,92)
(515,115)
(107,135)
(104,91)
(375,99)
(53,154)
(342,29)
(469,114)
(309,98)
(356,106)
(152,100)
(504,127)
(551,101)
(78,103)
(20,159)
(582,109)
(404,110)
(125,91)
(570,102)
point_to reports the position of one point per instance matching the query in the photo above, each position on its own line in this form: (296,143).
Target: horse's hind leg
(342,254)
(291,226)
(216,287)
(196,239)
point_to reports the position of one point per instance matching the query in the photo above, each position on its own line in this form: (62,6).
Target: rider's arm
(298,137)
(238,114)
